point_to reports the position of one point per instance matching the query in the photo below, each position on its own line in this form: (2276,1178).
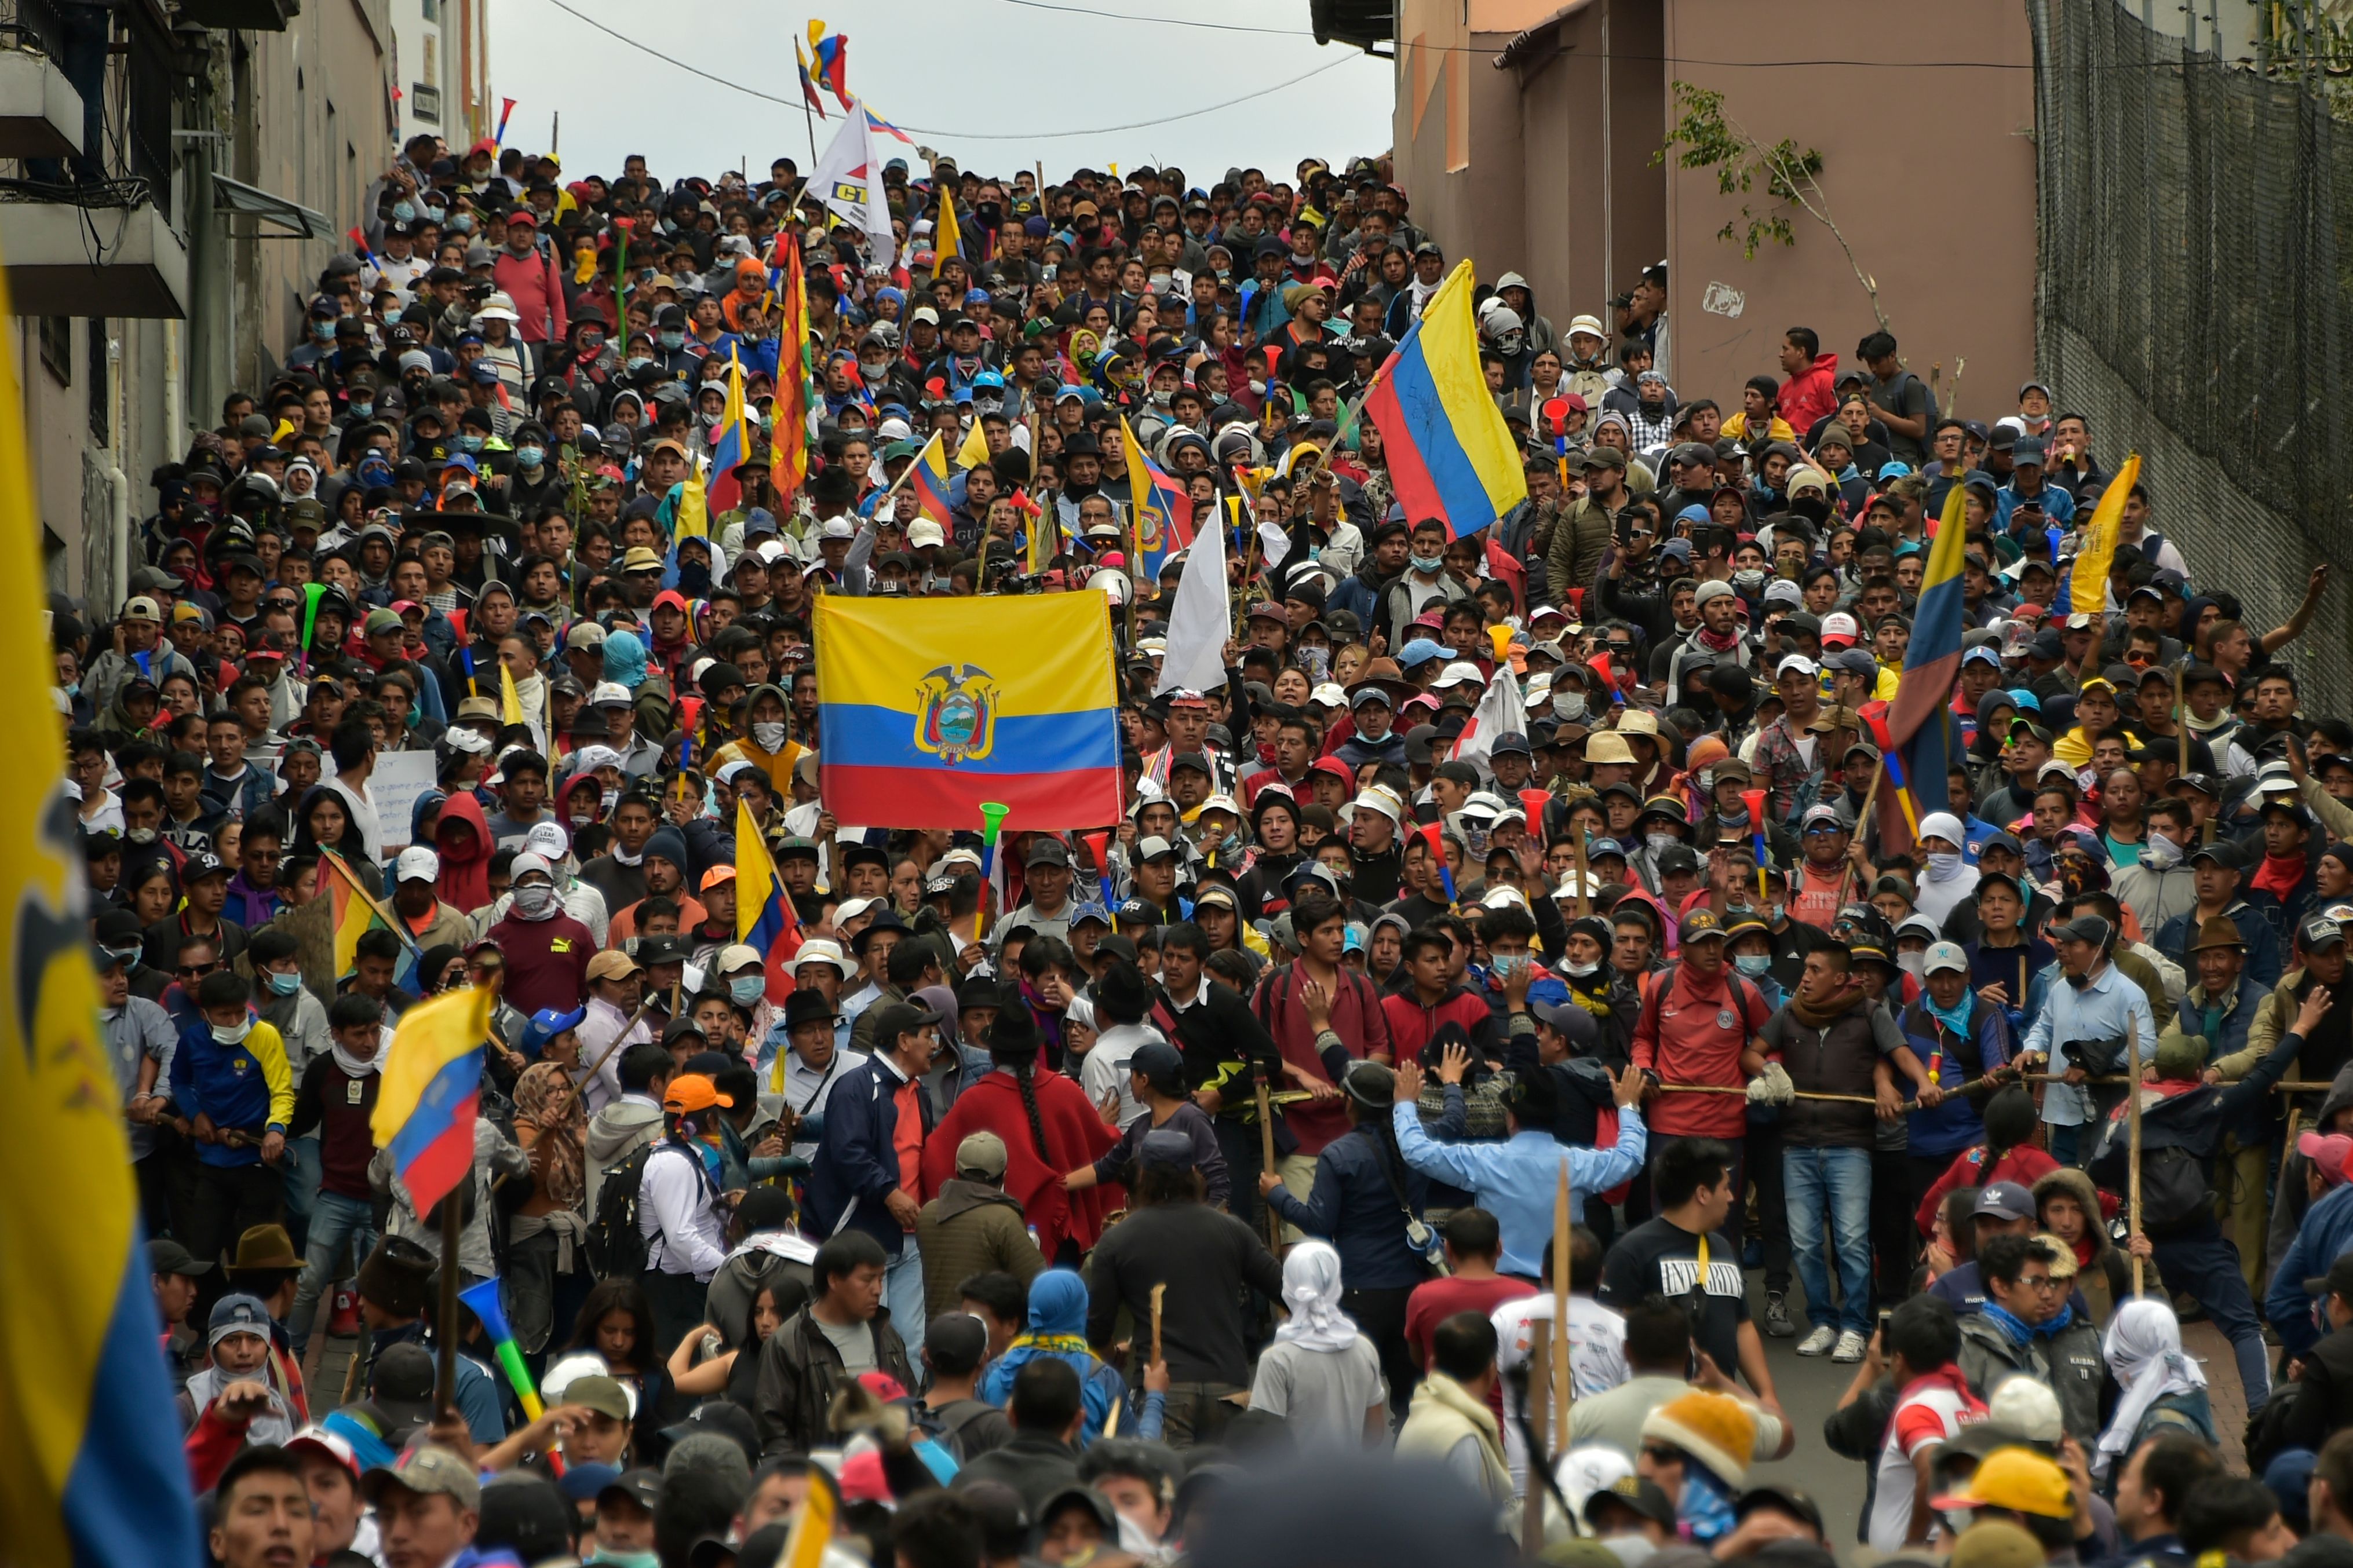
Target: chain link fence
(2191,300)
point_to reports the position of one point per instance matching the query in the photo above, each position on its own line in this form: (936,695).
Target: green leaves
(1704,137)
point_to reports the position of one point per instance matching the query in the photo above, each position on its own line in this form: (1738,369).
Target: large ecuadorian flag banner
(91,1467)
(1449,454)
(929,706)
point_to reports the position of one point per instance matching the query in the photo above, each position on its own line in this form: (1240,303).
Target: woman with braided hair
(1049,1126)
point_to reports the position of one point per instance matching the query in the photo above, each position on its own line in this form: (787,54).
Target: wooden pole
(555,1113)
(1159,1293)
(1266,1155)
(1562,1383)
(1539,1445)
(2132,1116)
(1870,794)
(1584,887)
(445,1374)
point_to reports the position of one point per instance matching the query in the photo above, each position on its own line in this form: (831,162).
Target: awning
(236,197)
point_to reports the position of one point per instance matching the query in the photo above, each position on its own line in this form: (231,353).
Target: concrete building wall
(1891,135)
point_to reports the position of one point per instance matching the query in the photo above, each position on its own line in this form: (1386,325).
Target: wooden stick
(1159,1292)
(1562,1390)
(444,1375)
(2132,1118)
(1584,888)
(1870,794)
(1266,1154)
(1540,1427)
(555,1113)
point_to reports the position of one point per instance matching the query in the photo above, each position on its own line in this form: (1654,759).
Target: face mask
(324,330)
(141,835)
(1914,964)
(1659,841)
(627,1559)
(1775,914)
(469,442)
(746,990)
(1582,971)
(461,223)
(638,361)
(583,814)
(403,212)
(285,984)
(2160,854)
(362,410)
(591,342)
(611,798)
(1569,707)
(1427,565)
(674,340)
(1752,964)
(434,215)
(535,902)
(530,456)
(1944,867)
(231,1037)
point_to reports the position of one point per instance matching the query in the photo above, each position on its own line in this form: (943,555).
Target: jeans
(2068,1145)
(1835,1183)
(2199,1257)
(337,1224)
(902,1293)
(302,1176)
(1764,1150)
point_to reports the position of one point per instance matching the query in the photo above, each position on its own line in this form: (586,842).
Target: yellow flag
(974,450)
(2087,582)
(510,700)
(693,519)
(947,238)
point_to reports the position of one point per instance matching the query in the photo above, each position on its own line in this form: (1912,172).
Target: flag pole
(397,926)
(445,1373)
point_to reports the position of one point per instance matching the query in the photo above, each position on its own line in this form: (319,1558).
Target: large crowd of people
(1185,1185)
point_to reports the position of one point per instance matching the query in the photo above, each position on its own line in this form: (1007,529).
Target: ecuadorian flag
(731,440)
(764,918)
(90,1467)
(1164,513)
(1920,725)
(1449,454)
(929,480)
(353,915)
(929,706)
(432,1090)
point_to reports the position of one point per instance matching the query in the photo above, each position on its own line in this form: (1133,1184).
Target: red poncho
(1075,1136)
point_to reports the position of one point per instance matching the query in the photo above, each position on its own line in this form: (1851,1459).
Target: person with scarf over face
(546,1268)
(625,660)
(462,838)
(1049,1127)
(1321,1375)
(2163,1389)
(768,743)
(1058,1328)
(1947,882)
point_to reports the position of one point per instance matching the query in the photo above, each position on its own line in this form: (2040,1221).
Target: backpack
(616,1248)
(2174,1186)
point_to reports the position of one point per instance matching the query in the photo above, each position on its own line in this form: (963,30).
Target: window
(101,410)
(57,347)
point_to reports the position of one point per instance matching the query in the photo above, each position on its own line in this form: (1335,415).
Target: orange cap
(691,1092)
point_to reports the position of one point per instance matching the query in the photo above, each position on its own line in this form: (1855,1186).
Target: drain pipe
(118,482)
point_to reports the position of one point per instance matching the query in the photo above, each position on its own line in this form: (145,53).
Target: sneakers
(1850,1346)
(1818,1342)
(1776,1317)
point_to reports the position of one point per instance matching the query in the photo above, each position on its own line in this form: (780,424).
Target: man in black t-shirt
(1685,1256)
(1900,398)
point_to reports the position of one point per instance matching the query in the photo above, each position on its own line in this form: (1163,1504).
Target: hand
(2079,1471)
(243,1400)
(2313,586)
(1518,975)
(768,1148)
(1762,1526)
(1267,1183)
(1891,1104)
(1453,1063)
(2212,1075)
(1156,1378)
(1711,1377)
(827,825)
(902,1208)
(1409,1082)
(1108,1109)
(273,1146)
(1210,1101)
(205,1130)
(2141,1246)
(2074,1075)
(1629,1088)
(2296,1370)
(1316,1003)
(1931,1095)
(146,1111)
(2314,1012)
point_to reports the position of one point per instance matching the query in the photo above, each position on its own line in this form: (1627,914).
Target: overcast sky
(942,66)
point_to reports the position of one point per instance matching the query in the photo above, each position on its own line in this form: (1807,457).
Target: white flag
(848,180)
(1199,620)
(1500,712)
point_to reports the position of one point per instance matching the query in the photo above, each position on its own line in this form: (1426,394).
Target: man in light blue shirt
(2096,1004)
(1516,1180)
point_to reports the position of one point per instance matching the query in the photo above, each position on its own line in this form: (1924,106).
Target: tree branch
(1787,177)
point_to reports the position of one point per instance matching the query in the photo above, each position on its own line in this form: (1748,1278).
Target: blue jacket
(247,1086)
(1956,1124)
(856,1165)
(1516,1180)
(2227,1035)
(2327,1231)
(2257,915)
(1355,1206)
(1058,1317)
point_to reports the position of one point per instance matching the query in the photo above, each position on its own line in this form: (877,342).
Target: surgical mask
(638,361)
(141,835)
(362,410)
(611,798)
(233,1035)
(1659,841)
(469,442)
(1569,707)
(1914,964)
(1581,971)
(747,990)
(1428,563)
(462,224)
(672,340)
(403,212)
(1774,912)
(324,330)
(2160,853)
(536,901)
(285,984)
(530,456)
(624,1559)
(1752,964)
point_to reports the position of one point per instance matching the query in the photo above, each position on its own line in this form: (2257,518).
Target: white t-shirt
(1929,1413)
(1321,1395)
(1597,1358)
(1103,1069)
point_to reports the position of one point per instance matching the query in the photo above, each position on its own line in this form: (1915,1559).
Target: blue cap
(1598,848)
(1091,909)
(582,1482)
(1894,471)
(546,1025)
(460,460)
(237,1315)
(1982,654)
(1419,652)
(485,373)
(2021,697)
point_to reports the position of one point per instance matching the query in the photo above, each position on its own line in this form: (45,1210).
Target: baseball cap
(612,964)
(166,1257)
(2327,1152)
(417,864)
(2318,932)
(898,1019)
(691,1092)
(1945,955)
(2018,1479)
(426,1469)
(2005,1200)
(983,1153)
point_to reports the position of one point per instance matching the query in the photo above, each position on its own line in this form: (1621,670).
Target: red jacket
(1692,1031)
(1075,1136)
(1411,1024)
(1810,394)
(529,280)
(1357,1018)
(2024,1164)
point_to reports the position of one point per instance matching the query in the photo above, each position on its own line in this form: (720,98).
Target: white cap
(1586,326)
(547,839)
(1459,672)
(1798,662)
(1224,802)
(1944,825)
(1381,799)
(850,909)
(961,856)
(772,550)
(1945,955)
(1329,695)
(820,950)
(1839,624)
(924,531)
(588,759)
(418,864)
(609,694)
(1505,897)
(836,528)
(736,955)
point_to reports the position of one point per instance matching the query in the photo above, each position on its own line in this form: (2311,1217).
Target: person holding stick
(2097,1003)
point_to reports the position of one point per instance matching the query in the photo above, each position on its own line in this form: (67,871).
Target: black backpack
(2174,1184)
(616,1248)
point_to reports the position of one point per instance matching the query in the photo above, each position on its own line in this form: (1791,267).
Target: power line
(960,135)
